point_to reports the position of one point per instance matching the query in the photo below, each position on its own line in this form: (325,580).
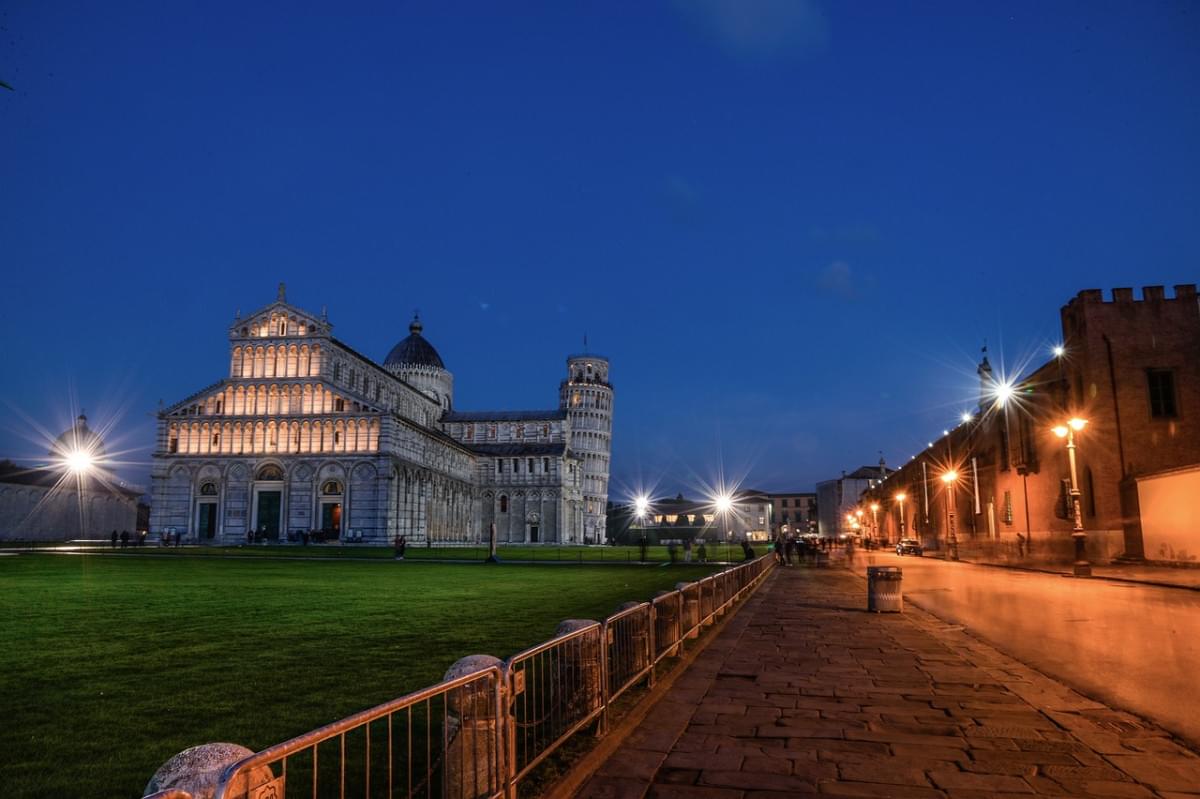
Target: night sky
(790,225)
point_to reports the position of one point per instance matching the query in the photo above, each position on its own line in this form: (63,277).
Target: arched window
(331,488)
(503,503)
(208,490)
(270,472)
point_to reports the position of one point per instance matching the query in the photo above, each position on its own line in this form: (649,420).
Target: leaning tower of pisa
(587,397)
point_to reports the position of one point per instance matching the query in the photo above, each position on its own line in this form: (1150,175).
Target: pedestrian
(643,545)
(789,549)
(403,545)
(124,539)
(778,544)
(687,550)
(178,539)
(747,550)
(702,552)
(1020,544)
(249,537)
(114,539)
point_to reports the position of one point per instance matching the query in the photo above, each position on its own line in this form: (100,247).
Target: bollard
(690,621)
(472,757)
(579,669)
(198,769)
(883,589)
(667,622)
(630,641)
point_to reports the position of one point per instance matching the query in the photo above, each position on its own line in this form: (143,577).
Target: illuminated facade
(307,436)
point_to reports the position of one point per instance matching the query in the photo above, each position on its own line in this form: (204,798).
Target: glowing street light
(966,417)
(875,519)
(1082,567)
(79,461)
(1059,350)
(1003,392)
(950,478)
(900,497)
(640,506)
(724,503)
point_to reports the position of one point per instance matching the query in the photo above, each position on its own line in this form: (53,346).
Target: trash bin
(883,589)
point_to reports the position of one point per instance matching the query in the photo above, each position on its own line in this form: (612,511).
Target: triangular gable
(264,322)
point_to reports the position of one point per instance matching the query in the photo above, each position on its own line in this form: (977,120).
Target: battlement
(1183,291)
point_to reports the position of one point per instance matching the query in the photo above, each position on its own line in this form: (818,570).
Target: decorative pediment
(280,319)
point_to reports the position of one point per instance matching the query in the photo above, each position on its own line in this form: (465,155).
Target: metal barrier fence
(477,736)
(442,741)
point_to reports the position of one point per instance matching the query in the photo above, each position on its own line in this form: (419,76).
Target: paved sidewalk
(804,693)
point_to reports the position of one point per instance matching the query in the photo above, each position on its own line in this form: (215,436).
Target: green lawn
(110,665)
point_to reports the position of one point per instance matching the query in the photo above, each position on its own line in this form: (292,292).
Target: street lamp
(900,497)
(1067,431)
(950,478)
(875,519)
(79,461)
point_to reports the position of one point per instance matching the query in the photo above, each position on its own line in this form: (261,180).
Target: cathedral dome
(414,350)
(79,438)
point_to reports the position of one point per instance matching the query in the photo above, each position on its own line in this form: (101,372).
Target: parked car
(910,546)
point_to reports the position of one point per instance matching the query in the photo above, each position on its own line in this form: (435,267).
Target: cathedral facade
(308,438)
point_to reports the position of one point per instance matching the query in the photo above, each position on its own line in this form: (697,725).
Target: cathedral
(307,439)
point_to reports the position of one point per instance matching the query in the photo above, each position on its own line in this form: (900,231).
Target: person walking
(1020,544)
(702,552)
(178,540)
(687,550)
(124,539)
(114,539)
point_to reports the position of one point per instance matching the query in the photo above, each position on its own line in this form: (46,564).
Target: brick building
(1131,368)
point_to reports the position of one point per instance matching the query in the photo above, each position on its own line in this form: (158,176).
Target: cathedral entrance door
(533,533)
(331,518)
(266,522)
(206,520)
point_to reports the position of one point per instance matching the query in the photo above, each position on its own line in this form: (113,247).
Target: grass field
(110,665)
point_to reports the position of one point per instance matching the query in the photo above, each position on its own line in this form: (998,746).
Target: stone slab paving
(804,693)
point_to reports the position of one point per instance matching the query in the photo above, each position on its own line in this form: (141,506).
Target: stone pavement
(804,693)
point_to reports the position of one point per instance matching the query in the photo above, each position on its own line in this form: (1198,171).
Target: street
(1130,646)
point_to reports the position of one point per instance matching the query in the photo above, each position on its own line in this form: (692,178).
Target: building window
(339,404)
(208,490)
(516,465)
(546,465)
(332,488)
(1162,393)
(503,503)
(1008,513)
(530,465)
(499,465)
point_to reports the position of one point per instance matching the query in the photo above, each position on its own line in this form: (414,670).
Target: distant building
(55,503)
(678,519)
(794,513)
(838,497)
(1131,369)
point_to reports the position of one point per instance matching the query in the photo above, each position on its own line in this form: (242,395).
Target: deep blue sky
(790,225)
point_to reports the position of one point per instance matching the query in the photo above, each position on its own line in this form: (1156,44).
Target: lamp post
(1082,567)
(900,497)
(875,520)
(950,478)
